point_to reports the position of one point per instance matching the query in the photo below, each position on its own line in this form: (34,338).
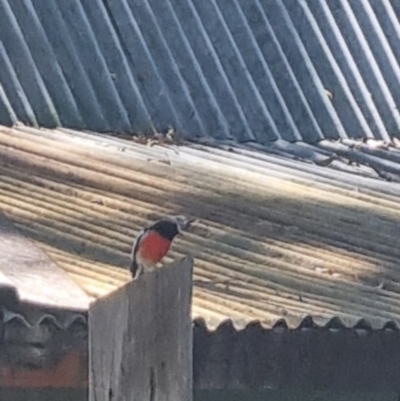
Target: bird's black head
(166,228)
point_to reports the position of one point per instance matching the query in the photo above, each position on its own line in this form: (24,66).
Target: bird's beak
(187,225)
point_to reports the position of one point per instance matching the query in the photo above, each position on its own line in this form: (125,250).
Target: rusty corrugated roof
(277,238)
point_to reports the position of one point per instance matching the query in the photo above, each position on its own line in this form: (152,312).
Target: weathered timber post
(140,339)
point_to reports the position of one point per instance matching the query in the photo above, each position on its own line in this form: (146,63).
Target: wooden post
(140,339)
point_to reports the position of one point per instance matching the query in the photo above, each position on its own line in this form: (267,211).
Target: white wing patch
(136,242)
(135,267)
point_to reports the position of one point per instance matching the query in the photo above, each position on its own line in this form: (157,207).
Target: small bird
(154,242)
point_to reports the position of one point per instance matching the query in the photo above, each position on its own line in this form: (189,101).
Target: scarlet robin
(154,242)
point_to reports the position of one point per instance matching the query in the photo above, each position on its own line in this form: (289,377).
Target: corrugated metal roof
(251,70)
(277,238)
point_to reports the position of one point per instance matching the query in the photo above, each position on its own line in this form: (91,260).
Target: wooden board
(140,339)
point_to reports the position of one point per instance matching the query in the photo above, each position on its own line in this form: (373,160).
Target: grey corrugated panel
(334,37)
(90,55)
(349,23)
(327,67)
(13,92)
(305,71)
(254,70)
(282,70)
(74,71)
(45,59)
(6,111)
(202,92)
(62,320)
(117,62)
(387,17)
(160,55)
(206,105)
(261,73)
(153,87)
(212,68)
(220,33)
(25,67)
(380,48)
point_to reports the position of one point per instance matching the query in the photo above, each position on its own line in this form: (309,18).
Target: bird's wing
(135,247)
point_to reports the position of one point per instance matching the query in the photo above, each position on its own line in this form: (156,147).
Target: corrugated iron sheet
(277,240)
(249,70)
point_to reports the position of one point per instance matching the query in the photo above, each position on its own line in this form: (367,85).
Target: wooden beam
(140,338)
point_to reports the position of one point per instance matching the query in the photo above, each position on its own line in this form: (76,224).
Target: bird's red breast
(153,247)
